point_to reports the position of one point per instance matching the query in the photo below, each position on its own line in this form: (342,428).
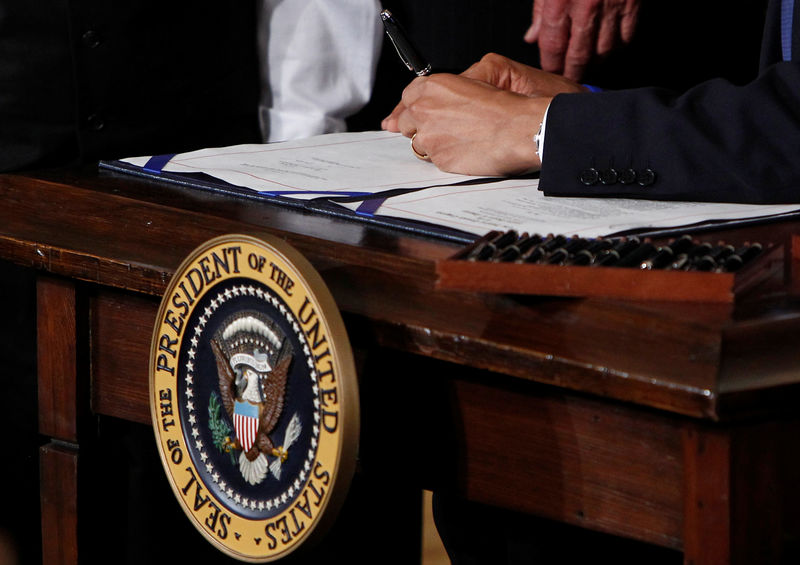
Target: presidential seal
(253,397)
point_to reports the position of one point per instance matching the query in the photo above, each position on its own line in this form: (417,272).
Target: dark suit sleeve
(716,142)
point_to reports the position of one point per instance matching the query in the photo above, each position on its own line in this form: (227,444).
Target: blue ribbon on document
(319,192)
(157,162)
(370,206)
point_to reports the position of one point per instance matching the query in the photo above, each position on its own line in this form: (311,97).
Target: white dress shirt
(318,60)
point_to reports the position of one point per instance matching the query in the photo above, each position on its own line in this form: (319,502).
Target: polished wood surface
(663,422)
(131,234)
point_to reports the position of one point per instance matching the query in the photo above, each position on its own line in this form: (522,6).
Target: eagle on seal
(253,360)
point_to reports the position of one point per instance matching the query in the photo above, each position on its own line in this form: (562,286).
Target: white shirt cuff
(540,136)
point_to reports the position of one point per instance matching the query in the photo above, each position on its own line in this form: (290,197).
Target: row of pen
(681,253)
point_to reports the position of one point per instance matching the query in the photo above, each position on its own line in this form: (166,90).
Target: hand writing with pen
(481,122)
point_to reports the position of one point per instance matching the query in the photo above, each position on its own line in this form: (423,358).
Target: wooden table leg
(59,499)
(707,507)
(61,399)
(734,494)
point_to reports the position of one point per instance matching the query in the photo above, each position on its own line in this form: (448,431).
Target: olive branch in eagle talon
(220,430)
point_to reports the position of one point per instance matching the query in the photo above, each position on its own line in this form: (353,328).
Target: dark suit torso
(89,80)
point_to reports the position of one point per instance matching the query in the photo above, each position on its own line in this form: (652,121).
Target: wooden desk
(670,423)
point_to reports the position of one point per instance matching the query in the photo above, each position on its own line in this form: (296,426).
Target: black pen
(408,53)
(622,248)
(539,252)
(501,242)
(570,248)
(485,248)
(515,250)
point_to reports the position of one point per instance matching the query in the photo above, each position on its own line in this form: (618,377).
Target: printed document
(518,204)
(367,165)
(337,164)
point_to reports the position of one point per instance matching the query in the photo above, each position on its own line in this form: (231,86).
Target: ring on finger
(422,156)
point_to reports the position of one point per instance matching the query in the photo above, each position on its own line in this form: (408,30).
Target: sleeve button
(609,176)
(91,39)
(627,176)
(646,177)
(95,122)
(589,176)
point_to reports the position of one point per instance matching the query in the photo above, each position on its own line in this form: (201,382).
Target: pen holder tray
(684,269)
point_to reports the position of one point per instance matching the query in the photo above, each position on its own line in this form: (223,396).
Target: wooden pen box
(463,271)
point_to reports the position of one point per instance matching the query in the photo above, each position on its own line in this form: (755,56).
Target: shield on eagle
(245,423)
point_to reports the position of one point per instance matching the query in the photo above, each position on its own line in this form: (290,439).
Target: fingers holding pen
(389,123)
(402,120)
(407,119)
(492,69)
(439,99)
(410,94)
